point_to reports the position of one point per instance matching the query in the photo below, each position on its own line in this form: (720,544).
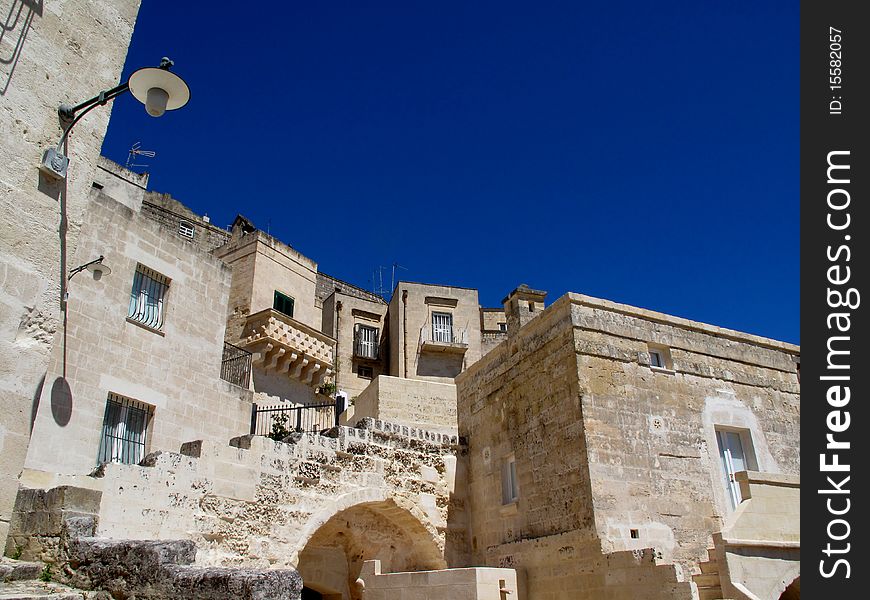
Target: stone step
(710,593)
(16,570)
(37,590)
(709,567)
(706,580)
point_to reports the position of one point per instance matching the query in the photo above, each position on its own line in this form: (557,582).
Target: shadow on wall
(439,365)
(17,22)
(61,401)
(34,405)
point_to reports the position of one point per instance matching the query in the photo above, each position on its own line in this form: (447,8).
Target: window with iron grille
(366,342)
(147,297)
(283,304)
(442,327)
(125,430)
(186,229)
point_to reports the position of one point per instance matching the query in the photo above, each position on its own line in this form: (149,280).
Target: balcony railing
(236,365)
(283,345)
(443,339)
(272,420)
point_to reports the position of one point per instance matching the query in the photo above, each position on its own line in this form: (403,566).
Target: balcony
(284,346)
(443,339)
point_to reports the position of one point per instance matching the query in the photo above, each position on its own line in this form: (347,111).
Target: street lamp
(157,88)
(96,267)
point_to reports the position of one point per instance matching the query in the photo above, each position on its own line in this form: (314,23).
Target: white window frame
(186,229)
(510,487)
(660,358)
(735,448)
(442,327)
(124,435)
(367,341)
(147,297)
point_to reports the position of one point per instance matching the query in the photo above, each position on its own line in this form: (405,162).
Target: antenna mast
(136,150)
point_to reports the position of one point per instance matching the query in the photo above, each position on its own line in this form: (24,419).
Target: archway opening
(332,559)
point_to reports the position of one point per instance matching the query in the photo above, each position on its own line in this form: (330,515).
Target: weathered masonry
(605,449)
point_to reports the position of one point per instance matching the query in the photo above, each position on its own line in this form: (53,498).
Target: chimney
(521,306)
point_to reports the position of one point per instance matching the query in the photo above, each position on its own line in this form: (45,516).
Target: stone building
(53,53)
(585,449)
(605,446)
(137,365)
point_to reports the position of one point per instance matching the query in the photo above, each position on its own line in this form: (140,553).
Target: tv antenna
(378,282)
(393,277)
(136,151)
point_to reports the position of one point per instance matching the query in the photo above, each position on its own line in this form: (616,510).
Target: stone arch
(333,554)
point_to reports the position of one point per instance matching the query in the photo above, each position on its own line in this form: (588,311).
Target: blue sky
(642,152)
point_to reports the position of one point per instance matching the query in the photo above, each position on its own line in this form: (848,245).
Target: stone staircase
(21,580)
(709,587)
(154,569)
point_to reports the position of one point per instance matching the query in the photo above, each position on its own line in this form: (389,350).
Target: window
(147,297)
(510,491)
(660,357)
(366,342)
(125,427)
(283,304)
(735,452)
(502,326)
(531,307)
(365,372)
(442,327)
(186,229)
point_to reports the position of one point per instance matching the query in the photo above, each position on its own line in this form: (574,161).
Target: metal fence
(308,418)
(236,365)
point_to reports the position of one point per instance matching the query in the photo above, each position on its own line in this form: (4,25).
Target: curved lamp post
(157,88)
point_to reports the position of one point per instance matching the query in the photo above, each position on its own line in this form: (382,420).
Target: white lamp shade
(98,270)
(147,84)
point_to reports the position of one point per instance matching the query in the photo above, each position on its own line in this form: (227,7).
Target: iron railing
(236,365)
(304,418)
(444,335)
(125,430)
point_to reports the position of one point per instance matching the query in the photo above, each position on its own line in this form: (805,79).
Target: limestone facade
(574,451)
(359,325)
(53,53)
(169,367)
(581,451)
(434,331)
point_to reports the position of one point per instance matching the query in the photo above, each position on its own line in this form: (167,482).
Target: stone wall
(523,402)
(476,583)
(411,322)
(54,53)
(260,503)
(759,547)
(174,370)
(263,265)
(610,450)
(327,284)
(169,212)
(415,403)
(341,324)
(641,420)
